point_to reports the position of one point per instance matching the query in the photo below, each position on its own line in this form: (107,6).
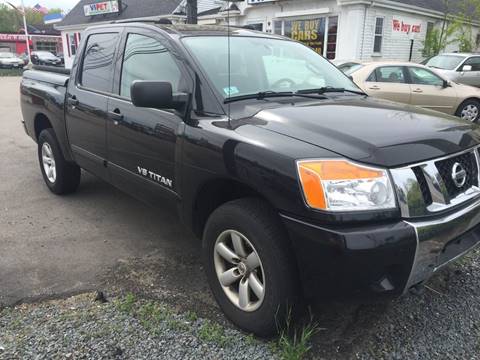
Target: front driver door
(428,91)
(143,143)
(388,82)
(471,77)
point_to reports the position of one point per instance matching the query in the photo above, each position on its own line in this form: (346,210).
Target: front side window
(389,74)
(97,69)
(474,62)
(421,76)
(263,64)
(378,39)
(147,59)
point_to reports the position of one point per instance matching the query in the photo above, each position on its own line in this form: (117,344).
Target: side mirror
(446,84)
(156,95)
(467,68)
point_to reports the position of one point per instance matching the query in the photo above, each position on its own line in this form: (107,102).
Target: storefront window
(277,27)
(73,44)
(46,46)
(332,37)
(312,32)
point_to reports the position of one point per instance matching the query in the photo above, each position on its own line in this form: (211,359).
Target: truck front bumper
(387,257)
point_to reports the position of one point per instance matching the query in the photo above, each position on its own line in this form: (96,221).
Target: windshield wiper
(329,89)
(267,94)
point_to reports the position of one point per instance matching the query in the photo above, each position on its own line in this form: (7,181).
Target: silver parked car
(459,67)
(10,60)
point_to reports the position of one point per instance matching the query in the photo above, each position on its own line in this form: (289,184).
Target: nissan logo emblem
(459,175)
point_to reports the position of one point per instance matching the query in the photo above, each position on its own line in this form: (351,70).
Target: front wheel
(250,266)
(61,177)
(469,110)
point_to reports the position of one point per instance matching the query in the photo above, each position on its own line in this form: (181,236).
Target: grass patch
(191,316)
(126,304)
(294,342)
(212,332)
(11,72)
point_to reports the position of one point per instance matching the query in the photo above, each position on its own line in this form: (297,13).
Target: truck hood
(372,131)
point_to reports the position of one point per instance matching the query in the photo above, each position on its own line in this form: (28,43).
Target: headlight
(339,185)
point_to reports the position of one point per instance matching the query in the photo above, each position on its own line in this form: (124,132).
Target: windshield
(46,54)
(6,55)
(446,62)
(263,65)
(350,68)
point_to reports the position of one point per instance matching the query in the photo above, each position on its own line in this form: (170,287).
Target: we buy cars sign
(402,27)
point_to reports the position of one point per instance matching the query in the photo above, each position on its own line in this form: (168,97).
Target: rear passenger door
(389,82)
(87,99)
(142,142)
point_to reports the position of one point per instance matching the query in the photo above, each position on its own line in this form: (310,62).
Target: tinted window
(474,62)
(424,77)
(390,74)
(147,59)
(97,68)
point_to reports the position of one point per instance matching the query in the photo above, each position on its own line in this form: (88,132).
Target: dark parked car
(296,181)
(45,58)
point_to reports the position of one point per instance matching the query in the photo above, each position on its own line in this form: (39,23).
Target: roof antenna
(229,88)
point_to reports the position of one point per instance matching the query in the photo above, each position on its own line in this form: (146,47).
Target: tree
(456,27)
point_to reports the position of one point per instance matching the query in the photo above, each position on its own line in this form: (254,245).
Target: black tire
(473,104)
(68,174)
(255,219)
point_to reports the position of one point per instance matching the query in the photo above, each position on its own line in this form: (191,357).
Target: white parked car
(10,60)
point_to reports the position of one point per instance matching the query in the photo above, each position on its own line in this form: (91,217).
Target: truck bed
(48,74)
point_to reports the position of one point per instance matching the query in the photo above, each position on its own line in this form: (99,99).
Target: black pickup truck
(297,182)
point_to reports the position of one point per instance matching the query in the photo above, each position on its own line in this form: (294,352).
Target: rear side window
(147,59)
(390,74)
(97,69)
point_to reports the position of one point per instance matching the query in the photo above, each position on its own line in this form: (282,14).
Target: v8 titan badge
(155,177)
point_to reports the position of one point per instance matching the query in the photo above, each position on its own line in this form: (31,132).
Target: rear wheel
(249,265)
(61,176)
(469,110)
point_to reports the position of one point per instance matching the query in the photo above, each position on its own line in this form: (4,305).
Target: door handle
(417,91)
(116,116)
(374,87)
(72,101)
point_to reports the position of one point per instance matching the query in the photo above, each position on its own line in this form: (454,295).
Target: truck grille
(429,187)
(468,162)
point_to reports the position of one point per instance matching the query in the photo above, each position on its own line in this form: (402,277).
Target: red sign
(12,37)
(406,26)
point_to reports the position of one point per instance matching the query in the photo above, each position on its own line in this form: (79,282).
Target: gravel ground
(123,328)
(443,322)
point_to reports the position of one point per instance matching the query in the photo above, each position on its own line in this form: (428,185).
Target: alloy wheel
(469,112)
(49,163)
(239,270)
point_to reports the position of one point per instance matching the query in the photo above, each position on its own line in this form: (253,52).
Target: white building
(344,29)
(338,29)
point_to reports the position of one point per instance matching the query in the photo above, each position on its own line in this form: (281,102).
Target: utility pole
(26,32)
(23,12)
(191,11)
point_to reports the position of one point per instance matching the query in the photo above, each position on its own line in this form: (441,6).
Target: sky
(64,4)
